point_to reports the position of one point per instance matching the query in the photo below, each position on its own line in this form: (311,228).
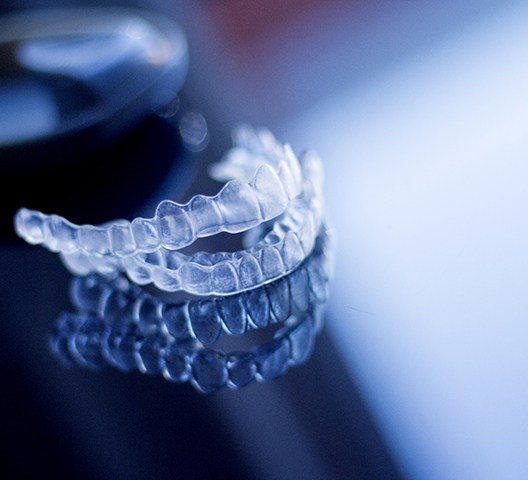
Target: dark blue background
(72,423)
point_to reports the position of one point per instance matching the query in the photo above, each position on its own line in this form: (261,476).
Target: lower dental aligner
(205,320)
(87,340)
(263,178)
(277,253)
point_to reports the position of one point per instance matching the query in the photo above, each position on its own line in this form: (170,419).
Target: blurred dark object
(66,71)
(79,89)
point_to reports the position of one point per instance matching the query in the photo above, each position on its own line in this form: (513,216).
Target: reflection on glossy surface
(88,51)
(120,324)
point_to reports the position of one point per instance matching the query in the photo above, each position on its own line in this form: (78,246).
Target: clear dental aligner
(88,341)
(263,177)
(205,320)
(279,252)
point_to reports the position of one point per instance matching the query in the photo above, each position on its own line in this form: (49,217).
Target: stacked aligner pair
(266,182)
(271,196)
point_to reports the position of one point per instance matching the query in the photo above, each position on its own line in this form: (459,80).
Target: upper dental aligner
(279,252)
(263,177)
